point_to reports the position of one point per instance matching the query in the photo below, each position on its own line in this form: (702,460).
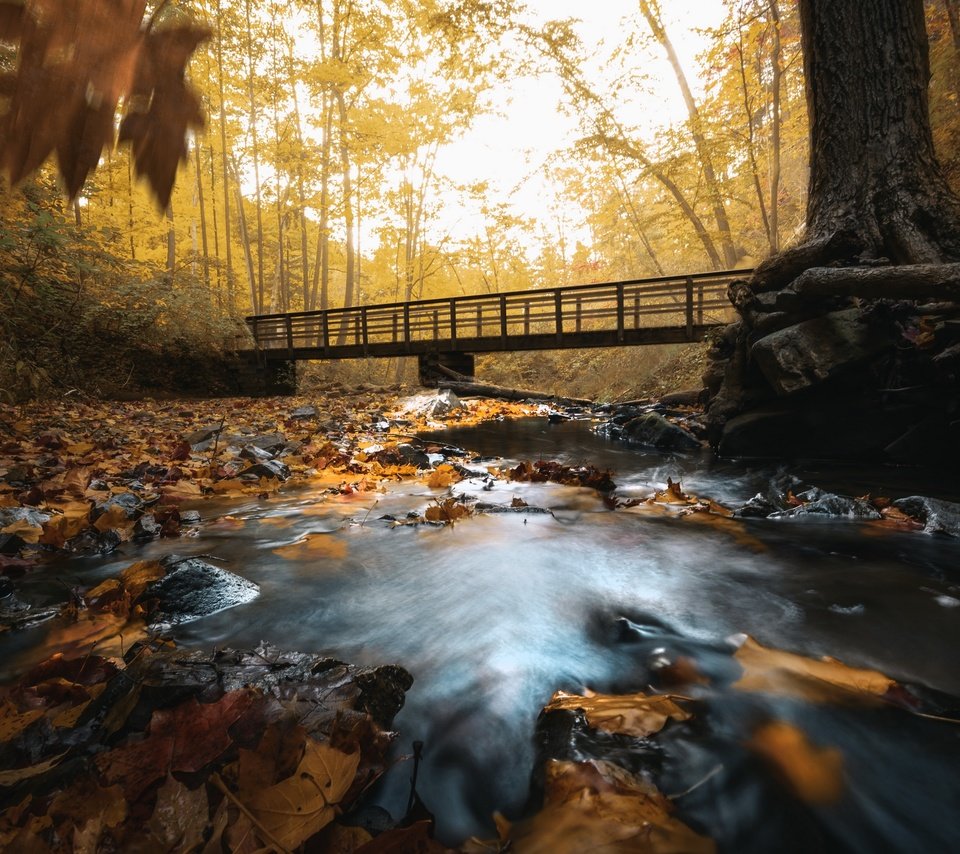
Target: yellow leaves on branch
(294,809)
(639,715)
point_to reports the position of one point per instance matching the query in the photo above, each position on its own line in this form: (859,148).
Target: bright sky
(511,150)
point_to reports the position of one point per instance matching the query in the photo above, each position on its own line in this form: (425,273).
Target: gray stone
(811,352)
(193,588)
(269,468)
(131,504)
(204,434)
(30,515)
(255,454)
(828,506)
(655,430)
(938,517)
(273,442)
(304,412)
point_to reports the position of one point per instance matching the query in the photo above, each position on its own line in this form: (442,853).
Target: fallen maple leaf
(296,808)
(179,819)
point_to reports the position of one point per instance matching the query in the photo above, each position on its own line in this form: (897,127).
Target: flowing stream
(496,612)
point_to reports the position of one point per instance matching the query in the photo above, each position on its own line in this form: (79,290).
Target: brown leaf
(597,806)
(447,511)
(313,546)
(75,60)
(18,775)
(163,107)
(13,722)
(85,799)
(815,774)
(295,809)
(638,714)
(180,816)
(778,672)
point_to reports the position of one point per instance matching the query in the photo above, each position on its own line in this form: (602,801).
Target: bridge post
(289,326)
(396,327)
(526,318)
(453,324)
(325,327)
(690,309)
(406,325)
(620,312)
(579,313)
(363,327)
(558,314)
(503,321)
(700,303)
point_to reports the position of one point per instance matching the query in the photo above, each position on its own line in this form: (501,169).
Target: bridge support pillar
(432,366)
(262,377)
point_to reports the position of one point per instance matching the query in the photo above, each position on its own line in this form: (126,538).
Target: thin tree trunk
(228,251)
(696,129)
(255,149)
(348,222)
(216,226)
(133,246)
(171,242)
(203,217)
(751,133)
(301,191)
(255,304)
(776,119)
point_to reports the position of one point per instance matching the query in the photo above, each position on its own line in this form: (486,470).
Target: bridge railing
(670,302)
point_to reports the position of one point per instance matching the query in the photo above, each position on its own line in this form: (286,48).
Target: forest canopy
(321,177)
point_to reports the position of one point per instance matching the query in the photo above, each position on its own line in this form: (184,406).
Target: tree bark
(873,171)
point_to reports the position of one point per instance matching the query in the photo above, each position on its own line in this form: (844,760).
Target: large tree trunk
(873,171)
(836,331)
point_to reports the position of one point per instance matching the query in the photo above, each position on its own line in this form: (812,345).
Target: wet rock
(255,454)
(938,517)
(193,588)
(414,456)
(146,527)
(268,469)
(322,689)
(382,691)
(433,405)
(30,515)
(130,503)
(308,411)
(832,507)
(758,507)
(204,434)
(658,432)
(91,541)
(272,442)
(811,352)
(190,517)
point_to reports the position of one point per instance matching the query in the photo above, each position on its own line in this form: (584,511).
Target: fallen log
(467,389)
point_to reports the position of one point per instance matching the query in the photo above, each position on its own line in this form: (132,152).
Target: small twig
(369,511)
(216,442)
(710,774)
(267,835)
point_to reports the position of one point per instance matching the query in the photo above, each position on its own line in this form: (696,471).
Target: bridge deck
(669,309)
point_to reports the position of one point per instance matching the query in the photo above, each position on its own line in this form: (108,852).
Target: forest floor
(116,740)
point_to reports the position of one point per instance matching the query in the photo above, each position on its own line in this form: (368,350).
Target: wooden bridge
(664,310)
